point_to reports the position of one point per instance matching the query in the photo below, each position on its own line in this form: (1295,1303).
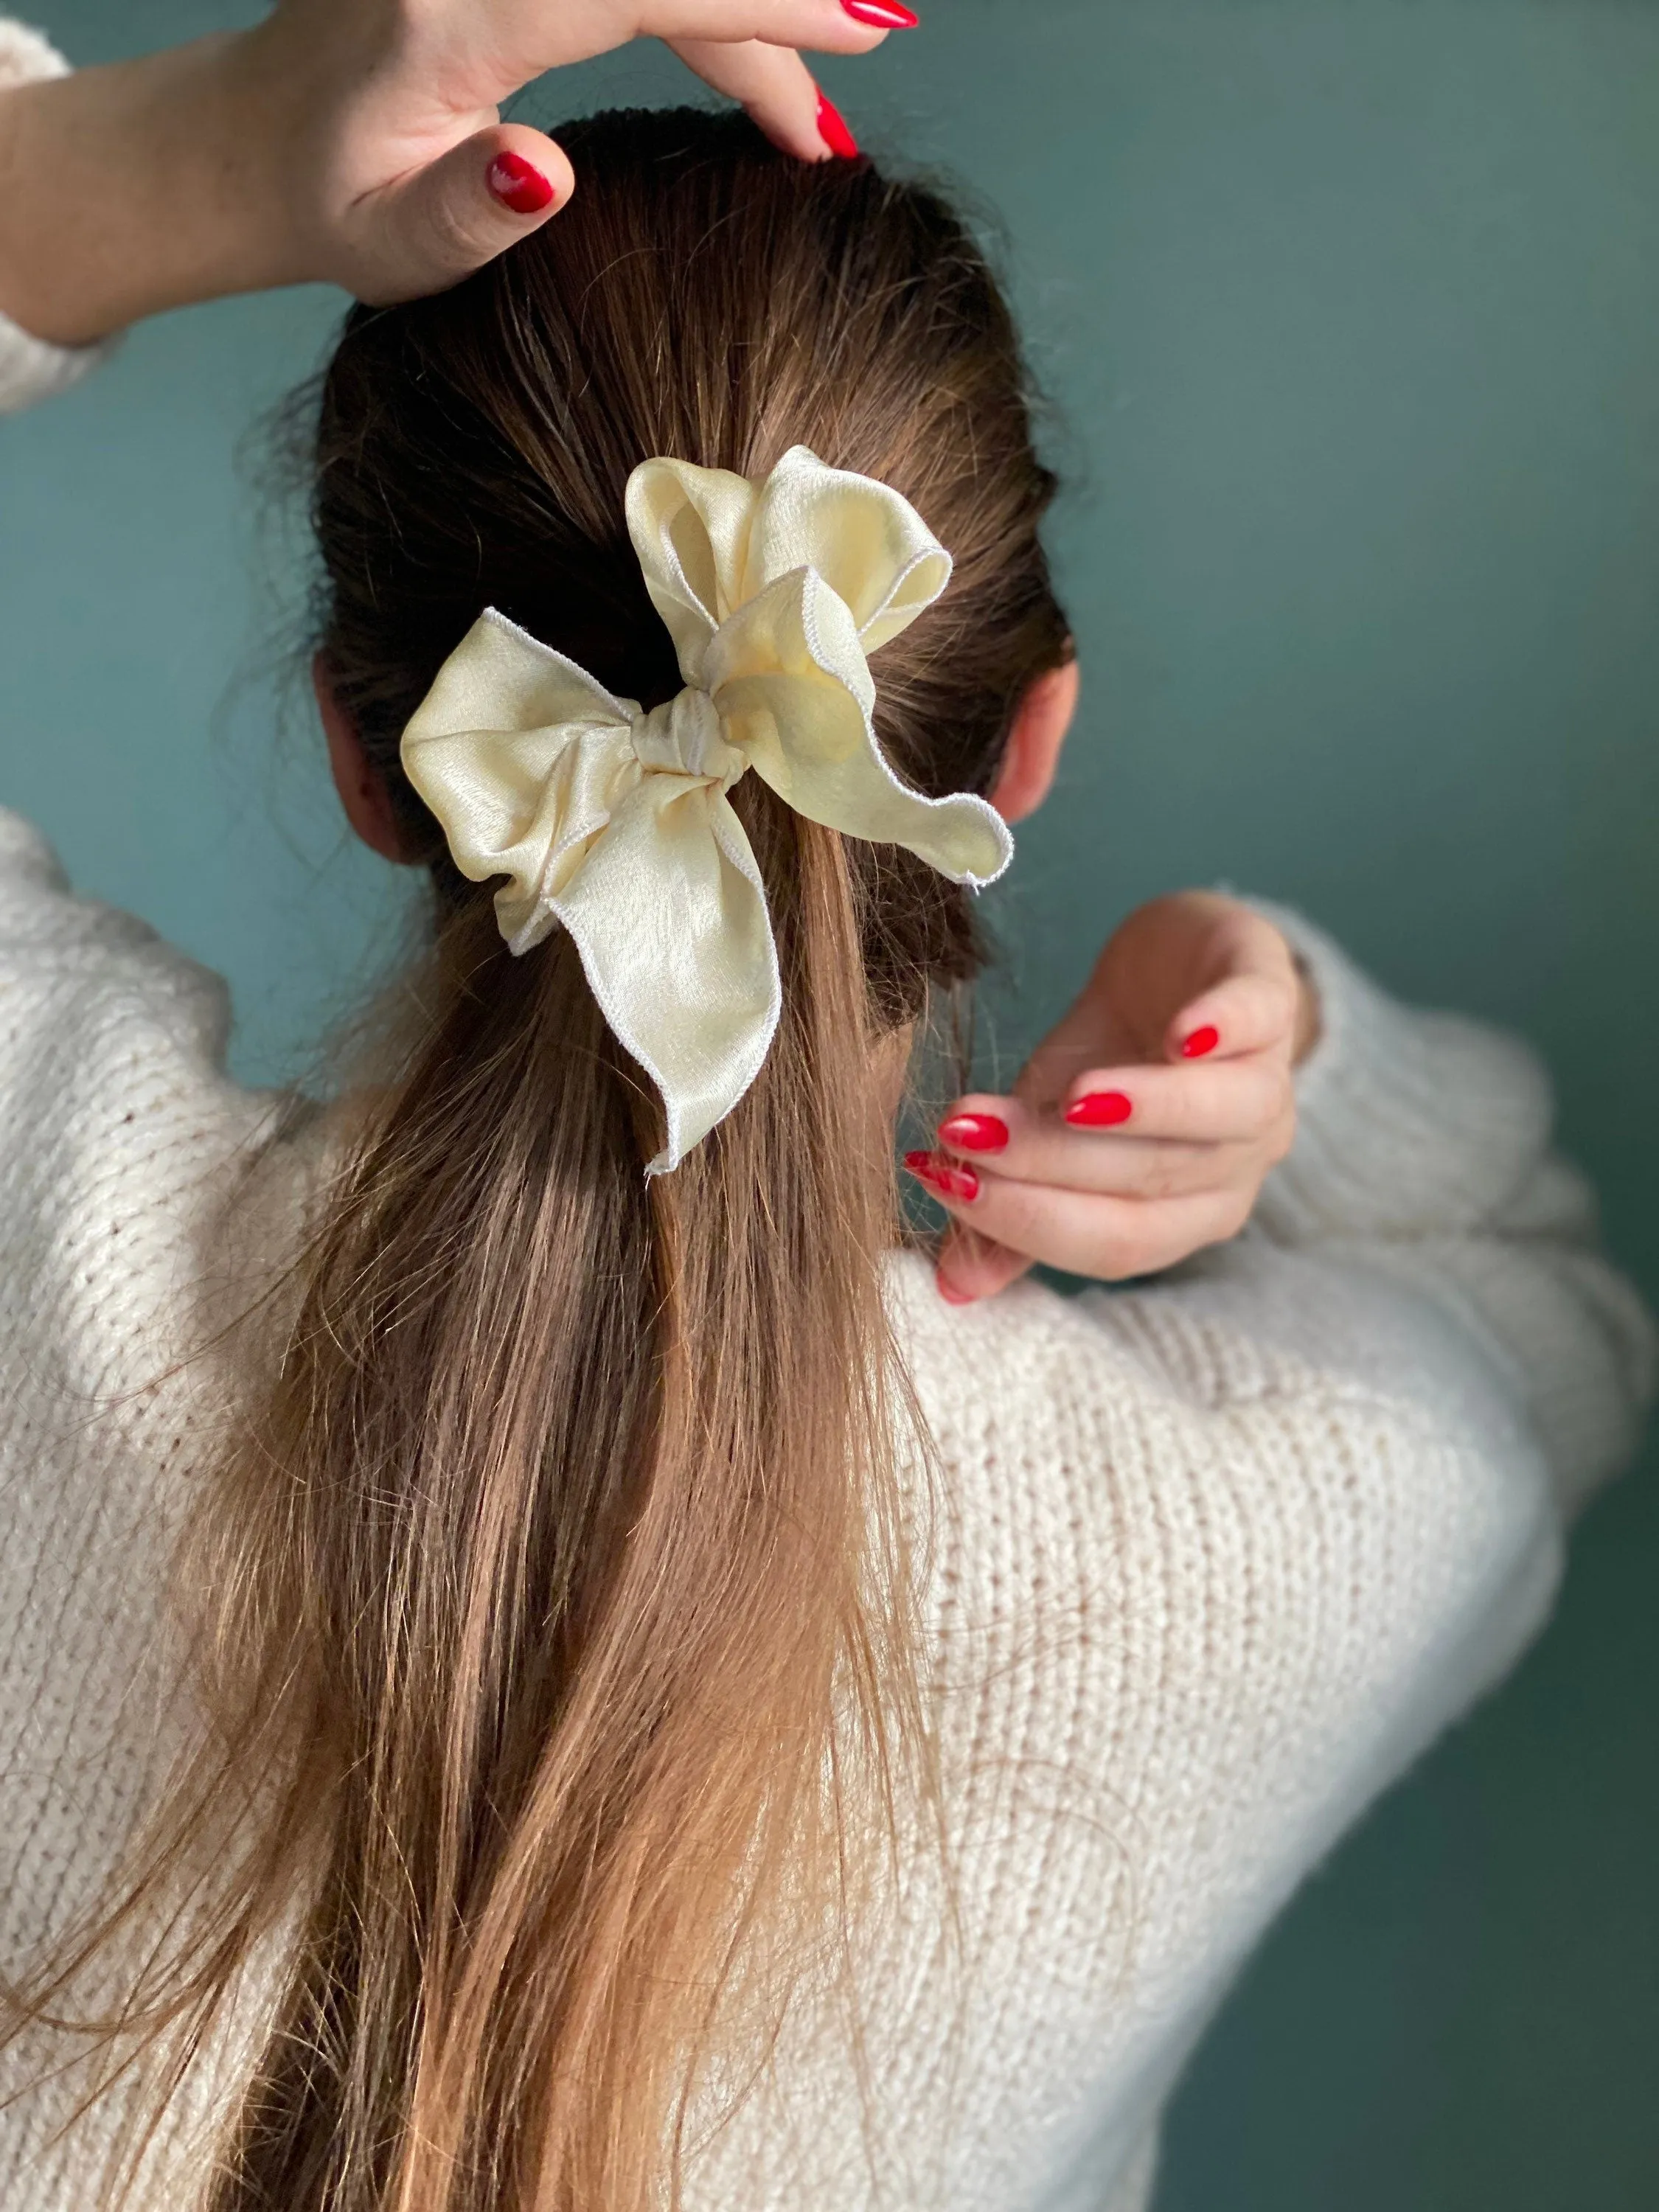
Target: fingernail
(1200,1042)
(948,1291)
(974,1133)
(940,1176)
(1099,1109)
(517,183)
(882,15)
(832,128)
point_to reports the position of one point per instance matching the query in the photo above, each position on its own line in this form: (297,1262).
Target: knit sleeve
(1423,1158)
(31,369)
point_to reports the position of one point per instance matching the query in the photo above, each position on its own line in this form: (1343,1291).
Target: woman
(553,1668)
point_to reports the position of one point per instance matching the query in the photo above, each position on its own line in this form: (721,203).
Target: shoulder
(1279,1492)
(119,1126)
(126,1152)
(122,1143)
(95,1010)
(1251,1349)
(67,962)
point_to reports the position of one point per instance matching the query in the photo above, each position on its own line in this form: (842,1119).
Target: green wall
(1350,312)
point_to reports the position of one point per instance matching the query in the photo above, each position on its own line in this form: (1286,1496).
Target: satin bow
(615,823)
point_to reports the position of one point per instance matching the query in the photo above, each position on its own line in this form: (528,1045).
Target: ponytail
(590,1539)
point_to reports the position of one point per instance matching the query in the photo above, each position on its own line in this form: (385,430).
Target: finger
(1107,1238)
(779,91)
(971,1267)
(822,27)
(1041,1147)
(1221,1102)
(439,224)
(1254,1012)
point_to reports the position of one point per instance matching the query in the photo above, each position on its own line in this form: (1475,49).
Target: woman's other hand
(1144,1123)
(356,142)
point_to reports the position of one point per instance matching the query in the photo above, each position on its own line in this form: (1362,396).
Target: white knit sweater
(1218,1557)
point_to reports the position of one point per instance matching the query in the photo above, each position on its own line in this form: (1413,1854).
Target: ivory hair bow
(616,824)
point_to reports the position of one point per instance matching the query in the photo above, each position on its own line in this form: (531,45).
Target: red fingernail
(832,128)
(518,186)
(882,15)
(1200,1042)
(974,1133)
(1099,1109)
(951,1294)
(940,1176)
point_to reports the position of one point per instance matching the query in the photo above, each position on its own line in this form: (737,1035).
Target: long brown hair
(553,1616)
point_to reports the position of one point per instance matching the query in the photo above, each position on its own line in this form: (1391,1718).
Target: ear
(362,786)
(1032,753)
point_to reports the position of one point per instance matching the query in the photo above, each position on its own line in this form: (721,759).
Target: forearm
(355,142)
(140,187)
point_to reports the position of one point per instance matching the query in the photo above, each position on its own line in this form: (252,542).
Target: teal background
(1351,315)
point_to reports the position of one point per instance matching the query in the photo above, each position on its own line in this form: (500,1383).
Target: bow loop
(615,824)
(869,546)
(690,529)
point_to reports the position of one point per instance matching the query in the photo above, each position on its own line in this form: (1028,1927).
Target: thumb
(972,1267)
(443,222)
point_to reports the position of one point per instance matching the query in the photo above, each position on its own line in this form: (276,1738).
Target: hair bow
(615,823)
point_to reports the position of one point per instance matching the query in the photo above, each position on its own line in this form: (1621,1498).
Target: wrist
(1309,1023)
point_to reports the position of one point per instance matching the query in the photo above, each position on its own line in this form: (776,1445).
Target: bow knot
(615,824)
(685,737)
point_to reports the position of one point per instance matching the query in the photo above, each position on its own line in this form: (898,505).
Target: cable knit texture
(1214,1559)
(30,369)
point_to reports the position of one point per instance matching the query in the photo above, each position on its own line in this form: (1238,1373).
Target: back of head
(707,299)
(561,1583)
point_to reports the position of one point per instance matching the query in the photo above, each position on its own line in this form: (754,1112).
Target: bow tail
(669,916)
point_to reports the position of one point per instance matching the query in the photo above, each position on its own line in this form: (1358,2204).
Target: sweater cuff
(1408,1123)
(30,369)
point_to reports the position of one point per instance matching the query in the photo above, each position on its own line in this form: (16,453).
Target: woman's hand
(398,135)
(358,141)
(1144,1125)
